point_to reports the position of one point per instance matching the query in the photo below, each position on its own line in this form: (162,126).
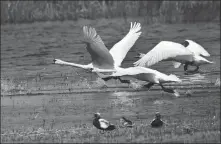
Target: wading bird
(102,59)
(144,74)
(102,124)
(187,53)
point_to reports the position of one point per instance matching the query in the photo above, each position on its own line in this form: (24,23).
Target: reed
(151,11)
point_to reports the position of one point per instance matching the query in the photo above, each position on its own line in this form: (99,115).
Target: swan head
(57,61)
(185,43)
(195,48)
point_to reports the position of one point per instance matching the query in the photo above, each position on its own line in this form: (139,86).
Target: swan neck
(72,64)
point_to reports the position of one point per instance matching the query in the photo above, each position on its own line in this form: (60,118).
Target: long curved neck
(60,62)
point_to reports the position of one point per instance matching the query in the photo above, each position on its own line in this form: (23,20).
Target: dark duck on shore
(126,123)
(157,122)
(102,124)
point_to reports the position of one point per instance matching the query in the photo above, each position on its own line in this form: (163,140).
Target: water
(29,49)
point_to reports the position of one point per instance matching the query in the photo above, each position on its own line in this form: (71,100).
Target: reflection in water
(196,78)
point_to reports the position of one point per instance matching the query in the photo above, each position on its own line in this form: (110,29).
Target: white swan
(144,74)
(102,59)
(187,54)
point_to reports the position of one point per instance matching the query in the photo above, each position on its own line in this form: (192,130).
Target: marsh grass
(151,11)
(13,86)
(205,130)
(58,121)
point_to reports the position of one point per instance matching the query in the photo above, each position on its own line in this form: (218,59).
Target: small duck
(102,124)
(189,129)
(126,123)
(157,122)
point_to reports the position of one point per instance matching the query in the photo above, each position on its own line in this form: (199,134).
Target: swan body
(102,59)
(144,74)
(188,53)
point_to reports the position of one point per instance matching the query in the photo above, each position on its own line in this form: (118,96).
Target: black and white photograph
(110,71)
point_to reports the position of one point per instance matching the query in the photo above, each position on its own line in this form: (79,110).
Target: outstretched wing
(132,71)
(101,58)
(162,51)
(196,48)
(120,49)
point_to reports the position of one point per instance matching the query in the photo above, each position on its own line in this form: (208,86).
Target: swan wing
(196,48)
(100,55)
(104,123)
(120,49)
(134,71)
(163,51)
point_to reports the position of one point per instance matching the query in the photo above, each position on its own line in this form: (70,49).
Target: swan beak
(57,61)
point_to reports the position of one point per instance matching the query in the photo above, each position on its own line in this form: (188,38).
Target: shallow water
(28,50)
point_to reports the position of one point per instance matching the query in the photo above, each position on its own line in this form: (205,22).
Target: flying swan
(187,53)
(144,74)
(110,61)
(102,59)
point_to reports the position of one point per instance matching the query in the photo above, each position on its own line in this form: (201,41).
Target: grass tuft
(152,11)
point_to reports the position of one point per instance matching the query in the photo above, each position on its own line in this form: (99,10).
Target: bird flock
(109,61)
(188,53)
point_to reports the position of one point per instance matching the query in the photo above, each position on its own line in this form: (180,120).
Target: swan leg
(185,67)
(107,78)
(193,71)
(149,85)
(123,81)
(197,68)
(167,89)
(104,86)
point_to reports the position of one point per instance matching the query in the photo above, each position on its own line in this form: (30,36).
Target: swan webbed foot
(167,89)
(123,81)
(101,132)
(89,70)
(149,85)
